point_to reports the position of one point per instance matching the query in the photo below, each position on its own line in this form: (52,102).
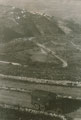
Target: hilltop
(35,45)
(16,23)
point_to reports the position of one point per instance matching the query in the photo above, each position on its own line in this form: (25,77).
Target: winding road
(78,47)
(65,64)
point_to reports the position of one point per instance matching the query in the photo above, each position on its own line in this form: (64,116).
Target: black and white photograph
(40,59)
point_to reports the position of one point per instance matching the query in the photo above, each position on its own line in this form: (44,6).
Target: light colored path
(53,53)
(42,81)
(78,47)
(70,92)
(24,98)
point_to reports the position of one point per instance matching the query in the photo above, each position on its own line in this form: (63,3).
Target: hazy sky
(60,8)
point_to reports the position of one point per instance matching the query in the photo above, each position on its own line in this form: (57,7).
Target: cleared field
(28,86)
(25,88)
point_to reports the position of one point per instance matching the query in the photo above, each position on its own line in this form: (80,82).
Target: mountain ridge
(38,42)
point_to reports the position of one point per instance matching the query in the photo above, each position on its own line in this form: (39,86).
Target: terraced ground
(35,46)
(7,114)
(42,57)
(15,93)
